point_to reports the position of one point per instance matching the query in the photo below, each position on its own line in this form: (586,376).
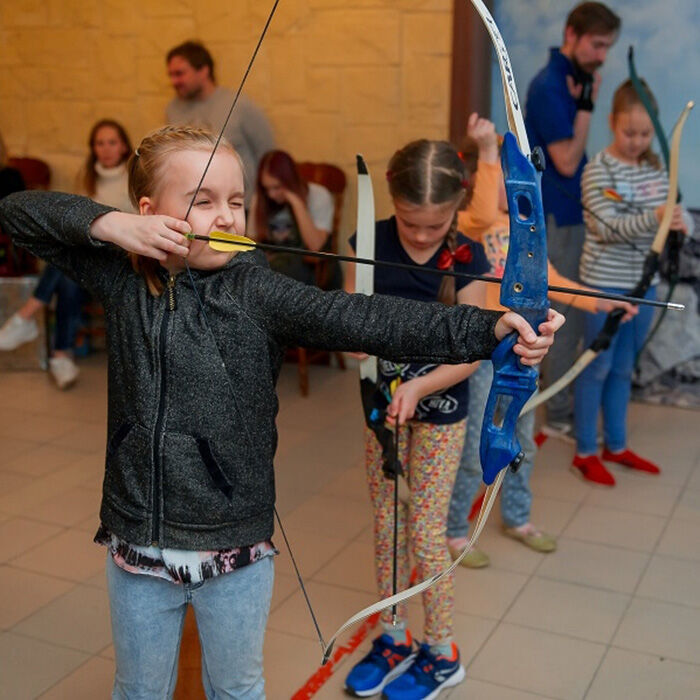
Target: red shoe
(630,460)
(592,469)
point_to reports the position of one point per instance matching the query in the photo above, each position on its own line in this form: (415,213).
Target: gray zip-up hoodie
(192,402)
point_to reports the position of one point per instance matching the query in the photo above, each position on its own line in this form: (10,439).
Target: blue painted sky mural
(664,34)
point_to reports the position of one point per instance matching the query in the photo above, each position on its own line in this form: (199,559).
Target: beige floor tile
(664,629)
(77,620)
(84,437)
(470,633)
(285,585)
(537,662)
(13,448)
(644,677)
(564,608)
(11,483)
(480,690)
(28,667)
(90,681)
(39,428)
(108,652)
(19,535)
(680,539)
(23,593)
(332,606)
(41,460)
(673,580)
(694,481)
(23,500)
(70,555)
(506,553)
(351,483)
(559,482)
(69,508)
(99,580)
(594,565)
(289,661)
(617,528)
(688,507)
(637,495)
(486,592)
(552,514)
(675,454)
(352,567)
(338,517)
(312,550)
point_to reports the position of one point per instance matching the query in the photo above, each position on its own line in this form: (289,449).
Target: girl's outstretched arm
(56,227)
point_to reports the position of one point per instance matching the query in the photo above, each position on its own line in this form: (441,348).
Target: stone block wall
(335,78)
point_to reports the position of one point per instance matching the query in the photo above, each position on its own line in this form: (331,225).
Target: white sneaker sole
(455,679)
(394,673)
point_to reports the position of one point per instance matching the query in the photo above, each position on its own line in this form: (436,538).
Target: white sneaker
(561,430)
(16,331)
(64,371)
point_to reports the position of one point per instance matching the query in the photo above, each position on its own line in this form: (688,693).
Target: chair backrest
(334,180)
(35,173)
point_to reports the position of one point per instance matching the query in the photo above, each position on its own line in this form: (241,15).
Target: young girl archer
(196,339)
(612,260)
(427,184)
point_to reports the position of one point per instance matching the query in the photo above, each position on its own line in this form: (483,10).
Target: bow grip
(513,384)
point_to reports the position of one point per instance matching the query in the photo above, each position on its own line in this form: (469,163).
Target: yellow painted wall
(335,78)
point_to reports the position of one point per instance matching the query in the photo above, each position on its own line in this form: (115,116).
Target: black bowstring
(203,310)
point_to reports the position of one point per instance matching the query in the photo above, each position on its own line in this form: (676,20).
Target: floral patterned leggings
(430,456)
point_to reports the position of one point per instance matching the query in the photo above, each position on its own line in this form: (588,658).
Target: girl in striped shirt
(624,193)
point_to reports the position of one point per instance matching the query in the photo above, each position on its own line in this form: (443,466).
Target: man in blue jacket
(558,109)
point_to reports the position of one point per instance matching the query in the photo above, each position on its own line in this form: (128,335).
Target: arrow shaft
(418,268)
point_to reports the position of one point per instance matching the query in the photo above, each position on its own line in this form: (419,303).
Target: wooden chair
(334,180)
(35,173)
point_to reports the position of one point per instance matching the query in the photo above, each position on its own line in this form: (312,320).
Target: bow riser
(524,290)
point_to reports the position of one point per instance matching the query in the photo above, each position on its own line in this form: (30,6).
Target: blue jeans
(147,618)
(516,497)
(69,302)
(606,382)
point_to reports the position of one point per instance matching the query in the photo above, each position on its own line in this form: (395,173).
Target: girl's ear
(146,206)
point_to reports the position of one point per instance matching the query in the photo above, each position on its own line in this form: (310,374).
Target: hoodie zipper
(157,459)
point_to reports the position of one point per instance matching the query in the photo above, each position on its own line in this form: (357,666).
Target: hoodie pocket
(205,486)
(127,473)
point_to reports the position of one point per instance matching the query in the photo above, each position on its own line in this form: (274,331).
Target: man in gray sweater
(199,101)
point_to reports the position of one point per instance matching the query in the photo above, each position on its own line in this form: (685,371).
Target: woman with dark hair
(104,179)
(288,211)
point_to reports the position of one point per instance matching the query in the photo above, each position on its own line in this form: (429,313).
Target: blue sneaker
(384,662)
(426,677)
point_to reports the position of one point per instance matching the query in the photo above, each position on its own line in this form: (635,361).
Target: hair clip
(136,152)
(460,155)
(465,183)
(389,174)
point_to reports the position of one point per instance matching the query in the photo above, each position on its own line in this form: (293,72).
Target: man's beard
(193,93)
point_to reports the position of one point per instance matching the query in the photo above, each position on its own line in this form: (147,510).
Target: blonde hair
(147,167)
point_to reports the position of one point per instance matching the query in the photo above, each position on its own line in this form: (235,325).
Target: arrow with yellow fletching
(224,242)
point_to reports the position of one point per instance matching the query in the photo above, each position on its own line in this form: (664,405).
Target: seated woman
(104,179)
(288,211)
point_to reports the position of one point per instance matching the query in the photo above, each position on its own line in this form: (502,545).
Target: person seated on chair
(104,179)
(288,211)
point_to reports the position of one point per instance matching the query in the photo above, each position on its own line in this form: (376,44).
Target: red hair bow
(447,259)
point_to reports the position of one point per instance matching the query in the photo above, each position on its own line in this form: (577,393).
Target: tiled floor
(614,613)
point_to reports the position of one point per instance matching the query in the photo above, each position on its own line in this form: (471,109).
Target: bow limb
(651,264)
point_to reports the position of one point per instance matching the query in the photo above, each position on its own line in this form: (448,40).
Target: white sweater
(112,187)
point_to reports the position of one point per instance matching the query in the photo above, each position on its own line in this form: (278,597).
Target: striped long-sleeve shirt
(625,197)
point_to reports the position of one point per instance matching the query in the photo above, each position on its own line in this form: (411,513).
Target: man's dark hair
(593,18)
(195,54)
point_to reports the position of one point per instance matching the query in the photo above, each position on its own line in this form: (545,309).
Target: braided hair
(430,172)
